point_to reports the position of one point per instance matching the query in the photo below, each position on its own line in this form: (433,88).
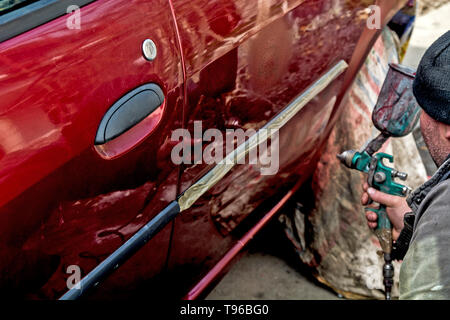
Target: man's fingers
(365,186)
(364,199)
(372,225)
(371,219)
(383,198)
(371,216)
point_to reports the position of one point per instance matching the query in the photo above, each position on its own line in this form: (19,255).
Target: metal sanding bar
(221,169)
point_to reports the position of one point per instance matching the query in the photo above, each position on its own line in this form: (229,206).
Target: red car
(91,93)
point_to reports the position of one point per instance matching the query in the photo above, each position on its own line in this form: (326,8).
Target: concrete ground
(428,28)
(270,268)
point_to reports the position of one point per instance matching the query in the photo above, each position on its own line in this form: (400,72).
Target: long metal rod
(221,169)
(188,197)
(125,251)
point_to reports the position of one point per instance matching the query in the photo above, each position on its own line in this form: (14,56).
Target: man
(425,271)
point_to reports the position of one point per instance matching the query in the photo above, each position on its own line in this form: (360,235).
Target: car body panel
(252,60)
(63,203)
(230,64)
(267,52)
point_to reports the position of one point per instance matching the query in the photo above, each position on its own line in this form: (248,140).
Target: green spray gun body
(380,177)
(395,115)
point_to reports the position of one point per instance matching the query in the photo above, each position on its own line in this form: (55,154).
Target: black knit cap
(431,86)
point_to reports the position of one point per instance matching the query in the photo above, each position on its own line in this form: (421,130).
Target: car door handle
(128,111)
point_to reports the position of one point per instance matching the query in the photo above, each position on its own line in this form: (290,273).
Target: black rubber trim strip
(33,15)
(124,252)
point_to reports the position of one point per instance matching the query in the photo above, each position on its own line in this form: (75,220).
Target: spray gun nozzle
(346,158)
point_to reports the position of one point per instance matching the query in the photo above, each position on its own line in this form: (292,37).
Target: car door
(86,113)
(246,61)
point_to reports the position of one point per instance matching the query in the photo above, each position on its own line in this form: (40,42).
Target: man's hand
(396,208)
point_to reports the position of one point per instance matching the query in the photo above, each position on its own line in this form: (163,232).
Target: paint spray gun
(395,115)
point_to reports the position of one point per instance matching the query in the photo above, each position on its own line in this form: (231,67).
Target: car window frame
(33,15)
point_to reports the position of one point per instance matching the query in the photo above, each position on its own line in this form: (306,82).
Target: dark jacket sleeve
(425,272)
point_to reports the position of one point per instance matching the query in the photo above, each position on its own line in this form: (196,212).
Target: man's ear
(445,130)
